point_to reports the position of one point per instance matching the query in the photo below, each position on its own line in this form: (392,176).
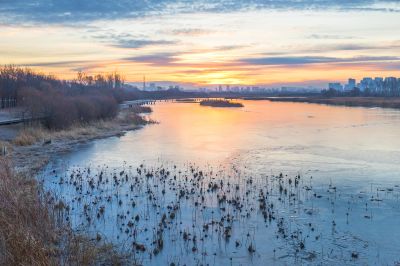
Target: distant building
(152,87)
(367,84)
(336,86)
(351,84)
(174,88)
(391,86)
(378,86)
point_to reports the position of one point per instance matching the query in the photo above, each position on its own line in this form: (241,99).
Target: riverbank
(32,229)
(33,147)
(344,101)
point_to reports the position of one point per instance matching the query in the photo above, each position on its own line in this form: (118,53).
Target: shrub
(30,136)
(26,230)
(60,104)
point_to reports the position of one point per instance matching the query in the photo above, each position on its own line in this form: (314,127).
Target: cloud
(191,32)
(141,43)
(77,11)
(126,40)
(72,65)
(230,47)
(383,46)
(357,47)
(392,47)
(329,37)
(391,66)
(306,60)
(59,63)
(159,59)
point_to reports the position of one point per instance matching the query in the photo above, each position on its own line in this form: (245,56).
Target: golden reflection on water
(260,123)
(351,148)
(274,135)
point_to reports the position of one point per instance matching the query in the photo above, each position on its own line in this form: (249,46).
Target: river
(346,207)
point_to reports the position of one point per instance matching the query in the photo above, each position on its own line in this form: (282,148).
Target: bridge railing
(8,102)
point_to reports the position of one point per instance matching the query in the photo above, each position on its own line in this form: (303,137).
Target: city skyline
(204,43)
(364,82)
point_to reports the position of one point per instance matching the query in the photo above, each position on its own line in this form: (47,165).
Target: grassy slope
(31,232)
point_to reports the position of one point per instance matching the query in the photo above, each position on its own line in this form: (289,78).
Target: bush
(30,136)
(60,104)
(60,111)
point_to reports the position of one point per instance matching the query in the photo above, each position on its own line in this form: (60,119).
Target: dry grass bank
(365,101)
(31,233)
(33,147)
(31,228)
(35,134)
(26,230)
(382,102)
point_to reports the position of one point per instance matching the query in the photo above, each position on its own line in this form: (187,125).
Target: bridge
(130,104)
(4,122)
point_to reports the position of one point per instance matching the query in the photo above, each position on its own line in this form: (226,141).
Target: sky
(205,43)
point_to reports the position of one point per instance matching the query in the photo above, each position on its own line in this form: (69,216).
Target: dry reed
(31,234)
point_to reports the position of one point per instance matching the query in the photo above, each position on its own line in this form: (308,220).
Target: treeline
(59,103)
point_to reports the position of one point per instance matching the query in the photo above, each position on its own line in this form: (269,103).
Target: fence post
(4,150)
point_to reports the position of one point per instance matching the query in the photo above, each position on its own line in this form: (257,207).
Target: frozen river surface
(270,183)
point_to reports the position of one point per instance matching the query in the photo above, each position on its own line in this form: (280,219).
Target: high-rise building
(351,84)
(336,86)
(367,84)
(391,87)
(378,85)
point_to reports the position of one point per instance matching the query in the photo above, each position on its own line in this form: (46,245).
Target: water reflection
(283,136)
(346,200)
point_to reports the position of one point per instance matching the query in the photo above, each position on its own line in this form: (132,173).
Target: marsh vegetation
(203,215)
(220,103)
(33,230)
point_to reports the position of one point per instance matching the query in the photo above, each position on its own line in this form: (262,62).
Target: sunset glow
(248,44)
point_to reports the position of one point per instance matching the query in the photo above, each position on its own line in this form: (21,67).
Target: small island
(185,100)
(220,103)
